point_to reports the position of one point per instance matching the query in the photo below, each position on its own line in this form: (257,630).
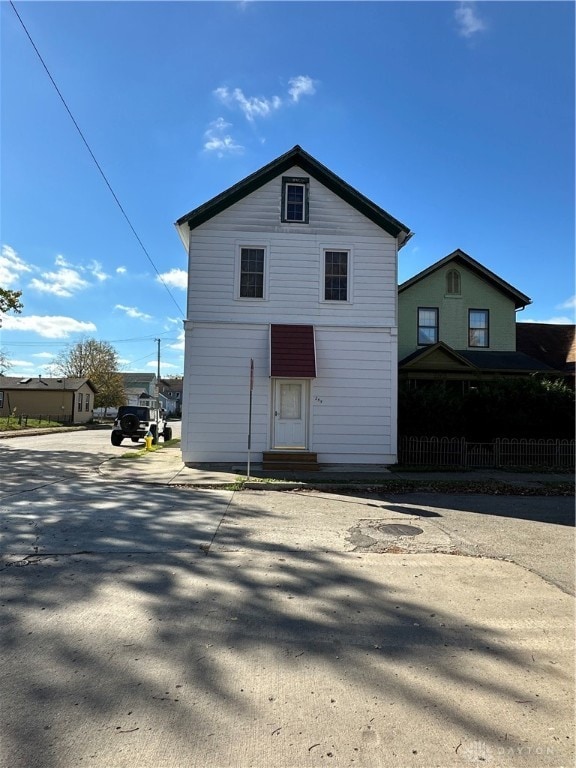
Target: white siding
(353,418)
(353,398)
(216,392)
(294,254)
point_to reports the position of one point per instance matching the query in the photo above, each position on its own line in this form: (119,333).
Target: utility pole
(158,374)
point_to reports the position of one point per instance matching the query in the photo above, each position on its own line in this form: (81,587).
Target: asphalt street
(150,625)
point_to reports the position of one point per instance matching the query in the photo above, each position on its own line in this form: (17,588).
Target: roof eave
(520,299)
(295,156)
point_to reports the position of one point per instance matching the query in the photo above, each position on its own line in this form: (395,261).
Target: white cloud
(301,86)
(21,364)
(559,320)
(48,326)
(251,106)
(179,345)
(133,312)
(467,19)
(11,266)
(95,269)
(65,282)
(69,278)
(568,304)
(121,270)
(262,106)
(218,140)
(177,278)
(154,364)
(44,355)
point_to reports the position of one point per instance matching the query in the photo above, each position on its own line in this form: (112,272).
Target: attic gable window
(295,199)
(453,282)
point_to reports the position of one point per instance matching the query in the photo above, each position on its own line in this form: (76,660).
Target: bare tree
(5,363)
(97,361)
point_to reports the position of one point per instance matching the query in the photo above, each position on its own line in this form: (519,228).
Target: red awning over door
(292,351)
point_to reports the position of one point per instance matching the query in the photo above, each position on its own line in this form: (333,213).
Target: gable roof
(462,259)
(553,344)
(133,379)
(443,357)
(295,156)
(35,383)
(436,352)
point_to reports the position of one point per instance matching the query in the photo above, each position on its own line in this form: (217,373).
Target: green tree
(97,361)
(10,301)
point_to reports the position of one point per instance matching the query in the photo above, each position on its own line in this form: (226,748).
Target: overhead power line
(98,166)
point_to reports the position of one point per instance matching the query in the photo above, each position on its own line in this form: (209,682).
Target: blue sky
(456,118)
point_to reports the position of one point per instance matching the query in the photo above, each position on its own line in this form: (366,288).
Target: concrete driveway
(148,627)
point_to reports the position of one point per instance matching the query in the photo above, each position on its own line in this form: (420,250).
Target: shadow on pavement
(122,618)
(558,510)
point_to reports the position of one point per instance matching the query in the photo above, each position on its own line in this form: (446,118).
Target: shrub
(520,407)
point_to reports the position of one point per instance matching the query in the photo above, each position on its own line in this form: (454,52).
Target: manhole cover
(397,529)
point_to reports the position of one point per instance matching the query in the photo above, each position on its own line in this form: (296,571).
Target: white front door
(290,425)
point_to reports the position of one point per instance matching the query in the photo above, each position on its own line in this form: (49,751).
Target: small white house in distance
(294,270)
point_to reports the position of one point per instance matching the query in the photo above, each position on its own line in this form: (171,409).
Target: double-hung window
(87,402)
(80,401)
(427,325)
(251,273)
(295,199)
(336,275)
(478,328)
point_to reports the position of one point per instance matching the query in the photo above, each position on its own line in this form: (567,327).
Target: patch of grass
(143,451)
(11,424)
(488,488)
(133,455)
(237,485)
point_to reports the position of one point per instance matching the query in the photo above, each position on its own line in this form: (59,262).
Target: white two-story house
(293,275)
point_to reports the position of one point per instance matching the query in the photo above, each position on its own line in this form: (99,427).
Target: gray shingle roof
(43,384)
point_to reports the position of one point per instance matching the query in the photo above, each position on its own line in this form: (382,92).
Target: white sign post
(250,416)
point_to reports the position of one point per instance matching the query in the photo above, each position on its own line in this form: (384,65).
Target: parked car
(136,421)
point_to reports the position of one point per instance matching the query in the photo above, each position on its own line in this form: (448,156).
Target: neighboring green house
(457,322)
(137,384)
(67,399)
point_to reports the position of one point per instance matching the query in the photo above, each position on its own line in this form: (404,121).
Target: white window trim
(285,211)
(350,251)
(266,248)
(419,325)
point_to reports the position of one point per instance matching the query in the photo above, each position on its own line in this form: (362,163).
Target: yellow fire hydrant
(148,440)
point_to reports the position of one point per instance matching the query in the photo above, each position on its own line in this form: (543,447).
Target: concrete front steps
(290,460)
